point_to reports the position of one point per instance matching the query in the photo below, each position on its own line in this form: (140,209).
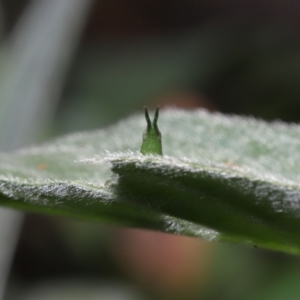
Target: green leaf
(222,178)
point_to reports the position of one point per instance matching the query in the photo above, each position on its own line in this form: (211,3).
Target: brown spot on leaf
(42,166)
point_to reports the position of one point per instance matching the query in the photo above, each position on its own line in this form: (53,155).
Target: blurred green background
(90,65)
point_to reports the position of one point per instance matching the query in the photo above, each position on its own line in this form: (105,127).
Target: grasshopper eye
(152,137)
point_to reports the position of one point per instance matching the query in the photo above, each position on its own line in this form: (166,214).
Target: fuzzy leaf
(221,177)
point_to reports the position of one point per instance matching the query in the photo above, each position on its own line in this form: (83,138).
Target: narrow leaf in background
(33,64)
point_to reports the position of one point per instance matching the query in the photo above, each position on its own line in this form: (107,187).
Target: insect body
(152,137)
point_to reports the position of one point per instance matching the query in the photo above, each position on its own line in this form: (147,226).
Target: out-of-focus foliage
(240,56)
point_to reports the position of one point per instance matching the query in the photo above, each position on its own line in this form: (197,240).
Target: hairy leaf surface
(221,178)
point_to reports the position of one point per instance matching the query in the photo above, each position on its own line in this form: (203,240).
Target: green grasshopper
(152,137)
(151,141)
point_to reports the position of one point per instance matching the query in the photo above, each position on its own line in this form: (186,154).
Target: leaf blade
(232,186)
